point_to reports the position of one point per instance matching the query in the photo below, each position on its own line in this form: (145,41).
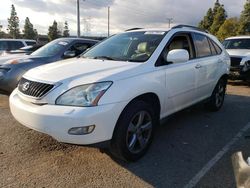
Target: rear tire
(217,98)
(134,131)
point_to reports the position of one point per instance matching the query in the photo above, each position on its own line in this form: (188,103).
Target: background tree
(13,23)
(54,32)
(66,29)
(29,32)
(219,19)
(229,28)
(207,20)
(244,26)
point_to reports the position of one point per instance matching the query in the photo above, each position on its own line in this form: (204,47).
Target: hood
(239,52)
(6,58)
(88,70)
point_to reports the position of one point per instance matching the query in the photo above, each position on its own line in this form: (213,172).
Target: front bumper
(56,120)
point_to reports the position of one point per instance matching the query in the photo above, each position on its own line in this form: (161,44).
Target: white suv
(119,90)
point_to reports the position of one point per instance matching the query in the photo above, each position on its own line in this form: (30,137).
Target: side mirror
(177,56)
(69,54)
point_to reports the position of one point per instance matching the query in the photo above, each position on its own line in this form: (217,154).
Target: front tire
(134,131)
(217,98)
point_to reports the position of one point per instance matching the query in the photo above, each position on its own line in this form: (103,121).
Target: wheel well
(152,99)
(149,98)
(224,77)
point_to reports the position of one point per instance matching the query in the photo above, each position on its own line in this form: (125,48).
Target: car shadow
(187,140)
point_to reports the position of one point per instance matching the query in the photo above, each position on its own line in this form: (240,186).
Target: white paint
(193,182)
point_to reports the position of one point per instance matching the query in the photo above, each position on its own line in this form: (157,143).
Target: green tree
(13,23)
(207,20)
(29,32)
(66,29)
(54,32)
(244,26)
(229,28)
(219,19)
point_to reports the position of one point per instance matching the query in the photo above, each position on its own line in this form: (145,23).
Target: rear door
(207,60)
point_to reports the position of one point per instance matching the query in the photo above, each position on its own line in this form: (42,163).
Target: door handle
(198,66)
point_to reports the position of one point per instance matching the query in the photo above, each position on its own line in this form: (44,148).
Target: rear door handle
(198,66)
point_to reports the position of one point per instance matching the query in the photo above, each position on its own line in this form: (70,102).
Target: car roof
(239,37)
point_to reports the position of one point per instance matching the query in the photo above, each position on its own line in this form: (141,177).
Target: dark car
(63,48)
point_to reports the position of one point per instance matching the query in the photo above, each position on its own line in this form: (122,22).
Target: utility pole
(78,19)
(108,20)
(170,20)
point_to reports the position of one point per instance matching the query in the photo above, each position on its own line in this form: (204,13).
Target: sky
(124,14)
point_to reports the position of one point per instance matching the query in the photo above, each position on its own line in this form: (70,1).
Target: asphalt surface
(183,145)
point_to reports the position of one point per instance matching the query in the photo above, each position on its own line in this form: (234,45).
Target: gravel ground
(183,144)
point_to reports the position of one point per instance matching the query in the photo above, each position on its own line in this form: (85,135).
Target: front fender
(128,89)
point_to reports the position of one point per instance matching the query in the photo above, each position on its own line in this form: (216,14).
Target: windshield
(130,46)
(237,44)
(50,49)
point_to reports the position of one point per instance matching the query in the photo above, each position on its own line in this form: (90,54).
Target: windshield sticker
(154,33)
(63,43)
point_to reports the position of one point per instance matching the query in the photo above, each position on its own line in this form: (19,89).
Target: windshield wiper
(104,57)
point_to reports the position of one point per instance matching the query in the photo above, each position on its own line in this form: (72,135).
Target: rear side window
(14,45)
(201,45)
(218,49)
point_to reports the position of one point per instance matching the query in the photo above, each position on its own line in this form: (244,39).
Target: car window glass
(213,50)
(237,43)
(3,45)
(14,45)
(130,46)
(51,49)
(30,43)
(79,48)
(201,45)
(218,49)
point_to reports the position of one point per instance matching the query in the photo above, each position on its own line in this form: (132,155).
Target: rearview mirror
(177,56)
(69,54)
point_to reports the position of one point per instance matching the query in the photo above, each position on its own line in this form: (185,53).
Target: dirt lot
(183,145)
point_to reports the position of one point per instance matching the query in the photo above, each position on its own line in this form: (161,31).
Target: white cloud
(124,14)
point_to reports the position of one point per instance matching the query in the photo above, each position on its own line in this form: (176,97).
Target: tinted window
(3,45)
(79,48)
(213,50)
(14,45)
(201,45)
(237,44)
(29,43)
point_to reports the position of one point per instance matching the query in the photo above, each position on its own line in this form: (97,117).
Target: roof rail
(190,26)
(136,28)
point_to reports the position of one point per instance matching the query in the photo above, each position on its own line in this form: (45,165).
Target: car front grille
(34,89)
(235,61)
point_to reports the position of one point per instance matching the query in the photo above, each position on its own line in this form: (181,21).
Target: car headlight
(84,95)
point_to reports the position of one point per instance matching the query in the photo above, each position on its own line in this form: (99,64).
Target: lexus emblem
(25,86)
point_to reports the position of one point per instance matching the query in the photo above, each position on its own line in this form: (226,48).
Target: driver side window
(180,41)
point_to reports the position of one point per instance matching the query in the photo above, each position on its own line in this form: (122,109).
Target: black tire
(217,98)
(120,145)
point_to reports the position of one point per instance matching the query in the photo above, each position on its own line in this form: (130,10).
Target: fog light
(81,130)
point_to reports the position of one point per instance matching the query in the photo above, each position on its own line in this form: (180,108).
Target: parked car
(26,50)
(63,48)
(119,90)
(239,51)
(7,45)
